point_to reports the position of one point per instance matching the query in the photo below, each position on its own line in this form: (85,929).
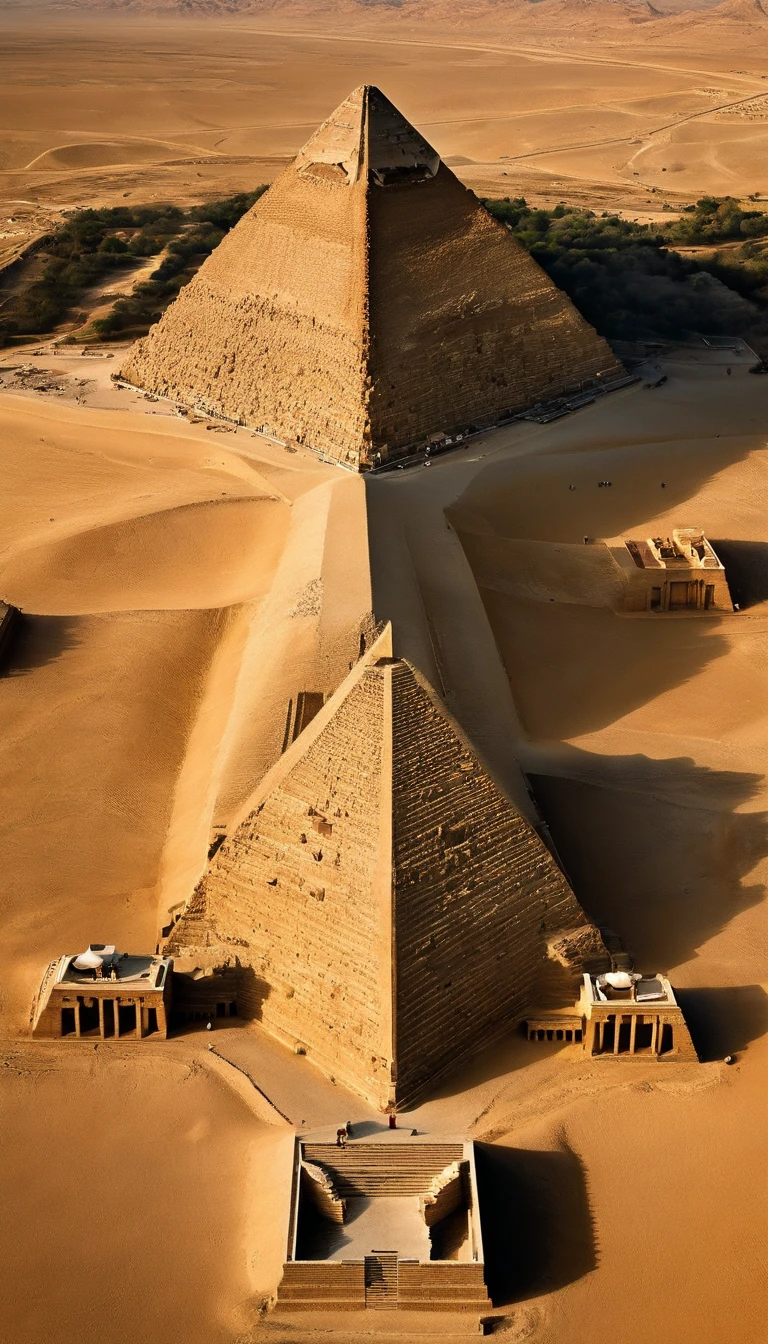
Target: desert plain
(179,584)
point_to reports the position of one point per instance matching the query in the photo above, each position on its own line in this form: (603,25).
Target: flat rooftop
(124,968)
(686,548)
(641,989)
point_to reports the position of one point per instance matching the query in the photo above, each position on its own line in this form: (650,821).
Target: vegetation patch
(630,281)
(94,244)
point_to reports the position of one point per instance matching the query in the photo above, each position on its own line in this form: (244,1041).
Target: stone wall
(291,895)
(478,897)
(464,324)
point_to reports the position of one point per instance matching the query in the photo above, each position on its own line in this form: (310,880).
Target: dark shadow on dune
(656,849)
(538,1230)
(746,568)
(35,641)
(724,1021)
(574,670)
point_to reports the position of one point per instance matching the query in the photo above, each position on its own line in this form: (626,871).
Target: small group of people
(343,1134)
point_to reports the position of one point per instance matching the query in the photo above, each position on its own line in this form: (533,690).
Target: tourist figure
(392,1120)
(341,1138)
(348,1129)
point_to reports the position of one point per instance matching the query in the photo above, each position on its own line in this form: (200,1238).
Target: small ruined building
(621,1013)
(367,302)
(387,908)
(104,993)
(677,573)
(384,1225)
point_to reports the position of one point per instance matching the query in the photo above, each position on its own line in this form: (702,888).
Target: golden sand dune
(195,555)
(102,153)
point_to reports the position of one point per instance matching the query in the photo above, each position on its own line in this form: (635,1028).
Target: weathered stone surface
(366,301)
(390,907)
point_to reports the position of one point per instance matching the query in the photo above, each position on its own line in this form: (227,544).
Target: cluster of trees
(626,278)
(93,243)
(630,283)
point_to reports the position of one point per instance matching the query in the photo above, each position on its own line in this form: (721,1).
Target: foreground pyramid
(389,909)
(367,301)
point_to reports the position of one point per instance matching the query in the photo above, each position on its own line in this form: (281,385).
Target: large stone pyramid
(367,301)
(389,908)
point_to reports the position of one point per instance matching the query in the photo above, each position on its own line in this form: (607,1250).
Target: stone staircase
(382,1169)
(381,1280)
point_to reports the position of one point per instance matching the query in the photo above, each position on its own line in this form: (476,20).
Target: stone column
(102,1032)
(632,1033)
(139,1018)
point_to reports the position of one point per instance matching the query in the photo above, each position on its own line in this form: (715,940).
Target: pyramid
(367,301)
(389,909)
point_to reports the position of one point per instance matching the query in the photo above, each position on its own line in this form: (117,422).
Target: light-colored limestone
(367,301)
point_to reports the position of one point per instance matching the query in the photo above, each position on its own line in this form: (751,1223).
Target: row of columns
(601,1022)
(142,1018)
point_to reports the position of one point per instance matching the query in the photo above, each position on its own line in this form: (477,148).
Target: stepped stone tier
(389,908)
(367,302)
(417,1201)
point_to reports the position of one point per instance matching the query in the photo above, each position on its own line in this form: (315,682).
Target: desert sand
(647,760)
(179,585)
(581,106)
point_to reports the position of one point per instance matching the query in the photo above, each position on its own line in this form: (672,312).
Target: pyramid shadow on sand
(538,1229)
(658,851)
(746,564)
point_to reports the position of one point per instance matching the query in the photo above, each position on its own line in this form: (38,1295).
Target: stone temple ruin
(367,302)
(384,1225)
(620,1013)
(676,573)
(387,908)
(103,993)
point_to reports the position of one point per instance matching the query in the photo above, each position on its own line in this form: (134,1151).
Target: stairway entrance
(381,1280)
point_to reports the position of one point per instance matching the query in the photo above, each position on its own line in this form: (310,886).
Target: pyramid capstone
(367,301)
(389,908)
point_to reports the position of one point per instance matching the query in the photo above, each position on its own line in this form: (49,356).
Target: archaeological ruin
(620,1013)
(384,1225)
(105,994)
(667,574)
(379,886)
(367,302)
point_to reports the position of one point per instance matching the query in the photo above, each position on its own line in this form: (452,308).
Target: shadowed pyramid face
(366,302)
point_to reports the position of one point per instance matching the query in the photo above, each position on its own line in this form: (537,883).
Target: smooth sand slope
(163,635)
